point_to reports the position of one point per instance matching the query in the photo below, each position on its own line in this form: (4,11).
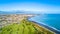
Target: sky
(44,6)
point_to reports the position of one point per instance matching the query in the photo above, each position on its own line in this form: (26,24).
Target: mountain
(10,12)
(20,12)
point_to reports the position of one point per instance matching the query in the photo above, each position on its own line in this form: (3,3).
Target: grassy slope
(25,27)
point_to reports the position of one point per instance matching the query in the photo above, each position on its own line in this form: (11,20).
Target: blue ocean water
(52,20)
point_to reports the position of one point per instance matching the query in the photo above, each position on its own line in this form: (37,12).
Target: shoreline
(45,26)
(28,16)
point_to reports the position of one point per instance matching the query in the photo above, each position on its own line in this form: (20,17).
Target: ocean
(51,20)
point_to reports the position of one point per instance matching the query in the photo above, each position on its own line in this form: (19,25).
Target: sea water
(52,20)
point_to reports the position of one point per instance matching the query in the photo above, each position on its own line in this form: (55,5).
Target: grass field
(24,27)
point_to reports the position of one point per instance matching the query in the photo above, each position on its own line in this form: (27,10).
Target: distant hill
(19,12)
(10,12)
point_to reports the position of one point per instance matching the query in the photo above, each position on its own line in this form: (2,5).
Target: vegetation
(24,27)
